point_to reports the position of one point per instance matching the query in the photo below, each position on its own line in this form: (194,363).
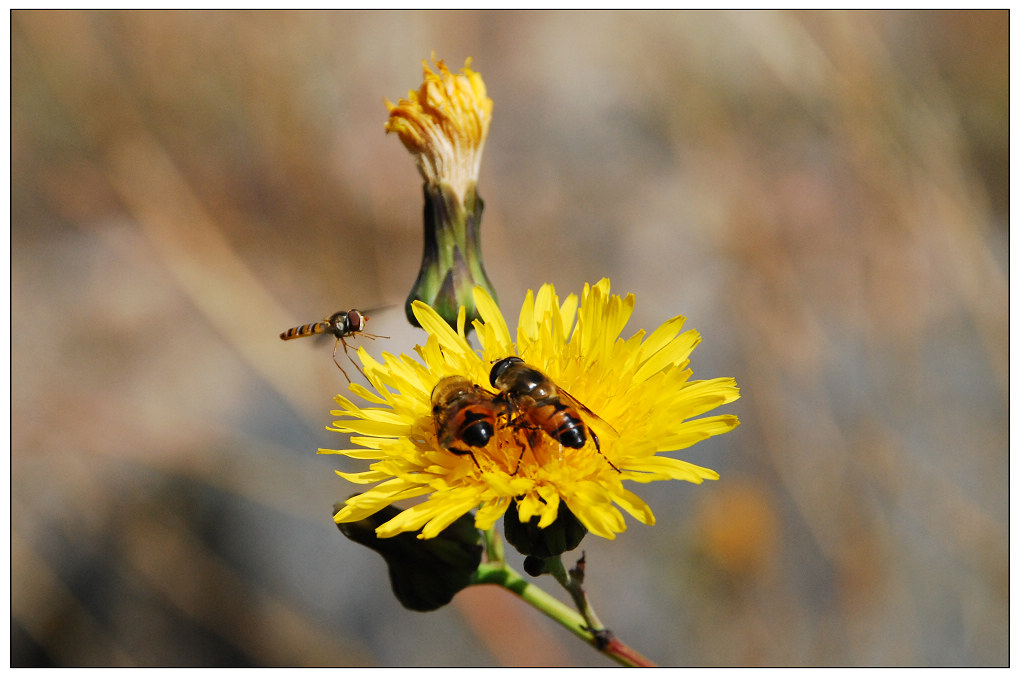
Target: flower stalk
(499,573)
(572,582)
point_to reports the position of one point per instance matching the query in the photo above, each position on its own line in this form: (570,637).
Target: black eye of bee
(477,429)
(500,367)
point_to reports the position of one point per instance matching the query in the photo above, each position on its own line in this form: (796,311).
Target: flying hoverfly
(343,324)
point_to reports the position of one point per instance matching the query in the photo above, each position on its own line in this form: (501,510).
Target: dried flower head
(444,124)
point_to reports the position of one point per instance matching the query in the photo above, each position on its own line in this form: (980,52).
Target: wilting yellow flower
(639,388)
(444,125)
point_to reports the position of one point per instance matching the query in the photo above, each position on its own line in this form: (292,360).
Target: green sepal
(451,265)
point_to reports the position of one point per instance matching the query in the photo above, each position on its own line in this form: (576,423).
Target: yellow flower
(639,388)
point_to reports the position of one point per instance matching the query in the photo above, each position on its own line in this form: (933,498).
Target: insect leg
(335,346)
(340,340)
(461,452)
(531,433)
(598,448)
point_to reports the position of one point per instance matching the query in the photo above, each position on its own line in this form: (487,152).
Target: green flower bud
(424,574)
(451,265)
(565,533)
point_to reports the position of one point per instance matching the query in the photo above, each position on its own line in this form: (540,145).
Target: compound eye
(355,320)
(479,434)
(500,367)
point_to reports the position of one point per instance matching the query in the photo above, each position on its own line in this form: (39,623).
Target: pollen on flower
(633,395)
(444,124)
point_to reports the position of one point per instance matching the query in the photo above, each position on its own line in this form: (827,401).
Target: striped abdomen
(306,330)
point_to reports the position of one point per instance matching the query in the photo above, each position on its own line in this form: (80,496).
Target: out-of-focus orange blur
(824,195)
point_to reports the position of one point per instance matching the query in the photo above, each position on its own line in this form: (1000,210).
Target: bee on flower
(637,404)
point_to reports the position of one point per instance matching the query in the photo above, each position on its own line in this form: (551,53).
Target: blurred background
(824,195)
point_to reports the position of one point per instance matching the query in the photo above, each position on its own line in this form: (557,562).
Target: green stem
(501,574)
(572,583)
(493,546)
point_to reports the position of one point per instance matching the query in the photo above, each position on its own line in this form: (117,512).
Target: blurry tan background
(823,195)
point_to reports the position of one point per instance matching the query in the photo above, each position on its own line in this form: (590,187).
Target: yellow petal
(366,477)
(635,506)
(490,314)
(691,432)
(435,325)
(447,514)
(375,428)
(491,511)
(527,327)
(675,469)
(366,454)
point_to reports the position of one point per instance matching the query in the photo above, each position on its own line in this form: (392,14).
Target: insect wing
(591,415)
